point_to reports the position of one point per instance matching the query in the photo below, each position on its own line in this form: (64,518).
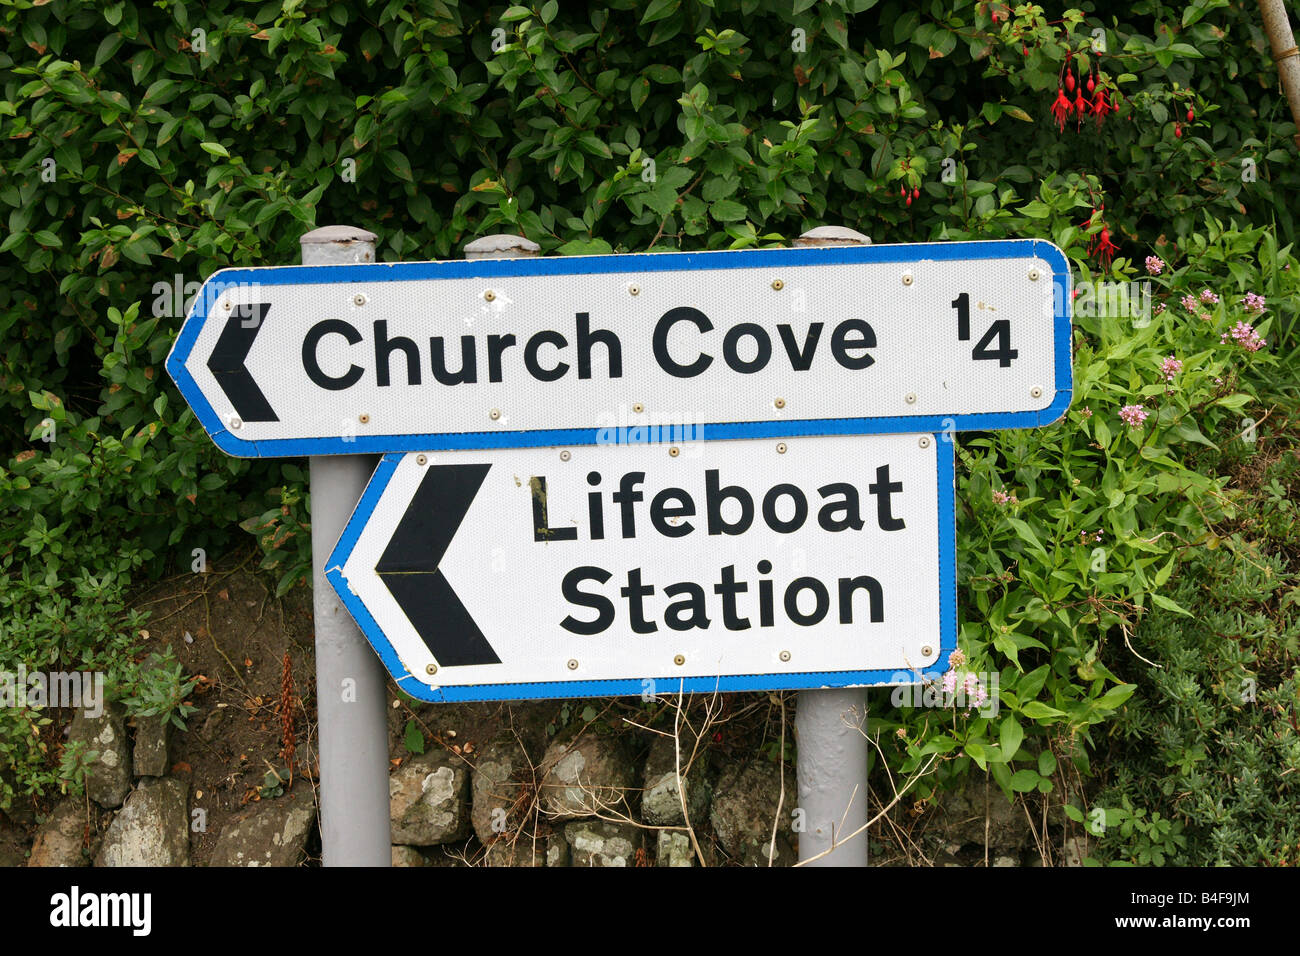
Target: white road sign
(934,337)
(616,569)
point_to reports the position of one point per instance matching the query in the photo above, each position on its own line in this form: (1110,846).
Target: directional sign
(613,569)
(310,360)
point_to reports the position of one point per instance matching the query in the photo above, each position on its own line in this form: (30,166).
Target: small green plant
(413,738)
(73,764)
(160,689)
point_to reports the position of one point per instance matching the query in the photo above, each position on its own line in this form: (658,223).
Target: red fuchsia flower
(1061,109)
(1244,334)
(1101,106)
(1253,303)
(1133,415)
(1170,367)
(1080,106)
(1155,265)
(1103,248)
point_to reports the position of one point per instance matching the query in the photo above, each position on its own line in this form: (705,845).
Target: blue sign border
(947,512)
(232,444)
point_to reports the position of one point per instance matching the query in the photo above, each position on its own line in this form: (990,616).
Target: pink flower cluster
(972,690)
(1170,367)
(1133,415)
(1083,536)
(1155,265)
(1253,303)
(1244,334)
(1002,498)
(1193,303)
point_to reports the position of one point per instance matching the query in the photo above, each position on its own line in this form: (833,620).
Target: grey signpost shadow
(350,680)
(831,726)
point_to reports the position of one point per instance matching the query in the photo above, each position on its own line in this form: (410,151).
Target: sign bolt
(778,285)
(236,423)
(359,299)
(364,418)
(907,278)
(634,289)
(431,669)
(494,414)
(227,305)
(573,664)
(421,459)
(927,651)
(566,455)
(1036,392)
(785,655)
(910,398)
(780,448)
(924,441)
(489,295)
(1033,275)
(679,660)
(779,403)
(638,408)
(674,451)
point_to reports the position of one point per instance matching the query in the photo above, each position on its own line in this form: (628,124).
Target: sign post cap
(833,236)
(330,234)
(501,246)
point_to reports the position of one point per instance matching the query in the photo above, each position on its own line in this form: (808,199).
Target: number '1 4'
(999,331)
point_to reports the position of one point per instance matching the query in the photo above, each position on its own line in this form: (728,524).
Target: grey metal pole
(350,680)
(830,726)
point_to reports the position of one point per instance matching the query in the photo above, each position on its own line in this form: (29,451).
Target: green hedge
(145,145)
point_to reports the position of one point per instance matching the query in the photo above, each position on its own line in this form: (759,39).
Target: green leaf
(1022,781)
(1010,735)
(585,247)
(727,210)
(214,149)
(659,9)
(1040,711)
(413,738)
(1046,763)
(1170,604)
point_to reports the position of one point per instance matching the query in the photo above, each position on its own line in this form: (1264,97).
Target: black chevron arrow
(226,363)
(409,566)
